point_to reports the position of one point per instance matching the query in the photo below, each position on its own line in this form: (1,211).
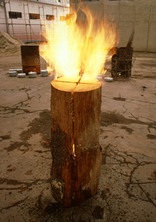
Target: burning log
(76,153)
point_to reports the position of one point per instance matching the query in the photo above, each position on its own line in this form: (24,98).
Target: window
(62,18)
(50,17)
(34,16)
(68,16)
(15,15)
(65,18)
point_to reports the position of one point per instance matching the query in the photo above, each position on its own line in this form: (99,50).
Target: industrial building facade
(26,19)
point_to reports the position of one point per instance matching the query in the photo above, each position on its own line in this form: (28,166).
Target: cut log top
(70,84)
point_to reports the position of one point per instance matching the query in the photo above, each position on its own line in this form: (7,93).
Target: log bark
(76,153)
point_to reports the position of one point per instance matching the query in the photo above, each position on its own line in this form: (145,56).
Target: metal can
(30,58)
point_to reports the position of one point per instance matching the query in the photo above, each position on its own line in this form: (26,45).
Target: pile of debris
(9,44)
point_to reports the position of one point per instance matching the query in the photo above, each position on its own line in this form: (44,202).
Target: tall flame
(71,49)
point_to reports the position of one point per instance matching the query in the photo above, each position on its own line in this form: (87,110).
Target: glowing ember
(73,51)
(74,150)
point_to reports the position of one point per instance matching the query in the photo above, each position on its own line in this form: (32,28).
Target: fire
(72,50)
(50,70)
(74,150)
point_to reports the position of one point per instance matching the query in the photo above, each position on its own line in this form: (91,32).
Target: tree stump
(76,153)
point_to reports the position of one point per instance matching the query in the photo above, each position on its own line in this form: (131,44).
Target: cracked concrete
(127,136)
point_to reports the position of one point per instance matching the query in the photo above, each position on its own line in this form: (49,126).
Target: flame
(50,71)
(74,150)
(72,50)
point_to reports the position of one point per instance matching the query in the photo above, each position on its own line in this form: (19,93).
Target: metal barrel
(30,58)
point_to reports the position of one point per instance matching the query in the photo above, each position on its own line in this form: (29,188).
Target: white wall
(2,18)
(139,15)
(52,1)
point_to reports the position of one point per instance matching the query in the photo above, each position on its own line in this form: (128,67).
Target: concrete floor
(127,188)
